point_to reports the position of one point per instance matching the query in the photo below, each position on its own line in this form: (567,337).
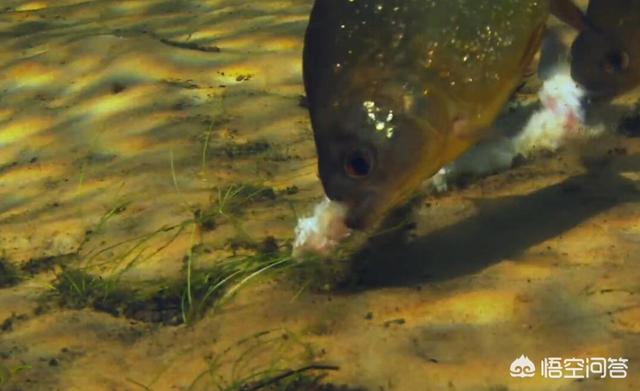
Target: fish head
(394,94)
(600,65)
(375,146)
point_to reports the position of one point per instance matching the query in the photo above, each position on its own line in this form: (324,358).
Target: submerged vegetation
(206,287)
(200,287)
(97,277)
(183,300)
(7,373)
(186,299)
(229,203)
(275,360)
(220,253)
(79,289)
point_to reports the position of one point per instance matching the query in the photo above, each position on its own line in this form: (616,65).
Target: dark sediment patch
(36,266)
(238,150)
(9,274)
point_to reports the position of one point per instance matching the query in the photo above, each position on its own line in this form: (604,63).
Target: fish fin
(568,12)
(532,48)
(461,127)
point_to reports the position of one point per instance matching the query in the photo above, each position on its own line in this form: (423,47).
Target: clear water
(154,159)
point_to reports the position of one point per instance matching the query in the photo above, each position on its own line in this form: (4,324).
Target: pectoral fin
(569,13)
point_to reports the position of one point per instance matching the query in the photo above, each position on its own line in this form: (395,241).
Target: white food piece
(560,119)
(322,232)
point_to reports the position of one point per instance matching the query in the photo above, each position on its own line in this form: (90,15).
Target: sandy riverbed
(98,99)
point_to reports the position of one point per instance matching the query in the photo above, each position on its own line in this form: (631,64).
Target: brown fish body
(399,88)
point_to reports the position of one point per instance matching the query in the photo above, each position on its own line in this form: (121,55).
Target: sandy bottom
(100,99)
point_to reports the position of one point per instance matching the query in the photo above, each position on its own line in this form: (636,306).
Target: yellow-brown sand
(541,260)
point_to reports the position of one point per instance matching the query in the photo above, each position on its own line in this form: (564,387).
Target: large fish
(606,55)
(399,88)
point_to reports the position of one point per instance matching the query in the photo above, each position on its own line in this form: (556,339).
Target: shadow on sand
(502,228)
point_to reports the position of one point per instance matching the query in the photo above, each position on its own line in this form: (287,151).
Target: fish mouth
(356,221)
(363,214)
(359,203)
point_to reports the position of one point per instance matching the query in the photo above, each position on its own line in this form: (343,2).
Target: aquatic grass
(268,360)
(7,373)
(262,269)
(184,300)
(227,204)
(137,242)
(188,298)
(78,289)
(230,200)
(226,277)
(119,207)
(137,245)
(149,301)
(174,178)
(84,162)
(205,147)
(213,286)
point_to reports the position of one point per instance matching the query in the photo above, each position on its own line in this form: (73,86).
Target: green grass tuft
(184,300)
(79,289)
(206,288)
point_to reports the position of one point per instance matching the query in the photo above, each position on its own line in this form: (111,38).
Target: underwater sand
(99,99)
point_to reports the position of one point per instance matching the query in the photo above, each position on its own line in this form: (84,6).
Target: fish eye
(358,163)
(616,61)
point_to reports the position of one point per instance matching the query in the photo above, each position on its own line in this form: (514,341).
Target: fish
(396,89)
(605,57)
